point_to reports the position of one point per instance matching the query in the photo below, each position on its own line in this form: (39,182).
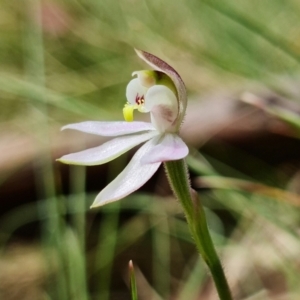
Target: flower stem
(179,180)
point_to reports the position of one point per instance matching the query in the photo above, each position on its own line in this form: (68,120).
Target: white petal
(108,151)
(110,128)
(135,91)
(162,103)
(166,148)
(132,177)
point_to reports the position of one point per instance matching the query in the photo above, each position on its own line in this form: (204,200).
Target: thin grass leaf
(220,182)
(288,116)
(252,25)
(133,287)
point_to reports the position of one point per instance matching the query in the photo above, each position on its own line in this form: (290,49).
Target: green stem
(179,180)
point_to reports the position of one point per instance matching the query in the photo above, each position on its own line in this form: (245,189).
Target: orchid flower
(160,92)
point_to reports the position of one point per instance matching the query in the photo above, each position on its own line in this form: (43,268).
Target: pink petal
(168,147)
(162,103)
(110,128)
(132,178)
(107,151)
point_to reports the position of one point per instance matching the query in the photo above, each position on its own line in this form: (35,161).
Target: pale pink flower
(160,92)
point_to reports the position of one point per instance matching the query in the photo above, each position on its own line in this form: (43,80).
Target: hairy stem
(179,180)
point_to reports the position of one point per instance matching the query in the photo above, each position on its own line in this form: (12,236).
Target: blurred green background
(70,61)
